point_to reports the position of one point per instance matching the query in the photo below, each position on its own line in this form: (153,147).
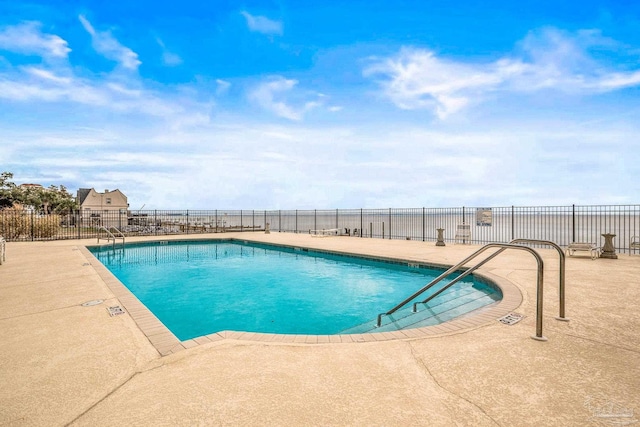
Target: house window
(108,200)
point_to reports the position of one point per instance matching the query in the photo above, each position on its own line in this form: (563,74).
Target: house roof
(82,194)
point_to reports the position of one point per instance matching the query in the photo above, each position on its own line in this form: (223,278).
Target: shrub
(13,223)
(46,226)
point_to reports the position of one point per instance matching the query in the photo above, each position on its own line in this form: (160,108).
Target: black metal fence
(560,224)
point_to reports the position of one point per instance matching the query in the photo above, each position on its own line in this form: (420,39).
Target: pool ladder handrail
(110,235)
(561,315)
(503,246)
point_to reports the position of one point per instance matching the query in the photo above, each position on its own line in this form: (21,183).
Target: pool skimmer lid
(511,318)
(115,310)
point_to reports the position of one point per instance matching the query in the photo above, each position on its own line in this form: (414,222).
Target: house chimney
(106,190)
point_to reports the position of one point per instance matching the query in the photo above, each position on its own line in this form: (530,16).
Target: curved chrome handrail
(540,281)
(561,315)
(110,235)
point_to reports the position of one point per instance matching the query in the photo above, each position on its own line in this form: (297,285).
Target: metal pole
(423,225)
(464,241)
(573,223)
(361,223)
(512,223)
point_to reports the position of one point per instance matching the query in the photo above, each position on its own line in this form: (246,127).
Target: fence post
(512,223)
(32,226)
(296,220)
(187,224)
(337,218)
(315,219)
(279,220)
(389,223)
(361,223)
(573,223)
(423,225)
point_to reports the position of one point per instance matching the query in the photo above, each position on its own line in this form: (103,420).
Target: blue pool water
(200,287)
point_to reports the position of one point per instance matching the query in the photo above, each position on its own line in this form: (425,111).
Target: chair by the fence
(3,250)
(463,233)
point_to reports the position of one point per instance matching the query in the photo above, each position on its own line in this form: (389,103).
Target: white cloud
(547,59)
(168,58)
(105,44)
(262,24)
(34,84)
(329,166)
(223,86)
(271,95)
(171,59)
(28,39)
(47,75)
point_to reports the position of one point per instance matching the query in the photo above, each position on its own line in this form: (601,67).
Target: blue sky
(301,104)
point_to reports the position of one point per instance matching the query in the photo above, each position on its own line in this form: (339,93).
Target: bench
(584,247)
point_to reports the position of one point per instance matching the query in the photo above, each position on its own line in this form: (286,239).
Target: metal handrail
(561,286)
(540,281)
(561,315)
(110,234)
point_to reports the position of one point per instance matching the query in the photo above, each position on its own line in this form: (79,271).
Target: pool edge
(166,343)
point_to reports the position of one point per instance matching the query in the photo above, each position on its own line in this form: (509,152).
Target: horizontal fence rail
(560,224)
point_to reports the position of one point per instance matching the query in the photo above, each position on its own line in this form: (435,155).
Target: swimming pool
(200,287)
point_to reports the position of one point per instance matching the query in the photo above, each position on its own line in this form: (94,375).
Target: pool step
(445,307)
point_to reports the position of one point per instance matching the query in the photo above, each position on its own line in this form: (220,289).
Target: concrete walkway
(65,364)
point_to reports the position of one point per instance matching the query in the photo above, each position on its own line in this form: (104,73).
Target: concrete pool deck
(65,364)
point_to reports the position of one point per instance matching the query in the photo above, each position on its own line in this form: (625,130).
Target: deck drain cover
(115,310)
(85,264)
(511,318)
(92,302)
